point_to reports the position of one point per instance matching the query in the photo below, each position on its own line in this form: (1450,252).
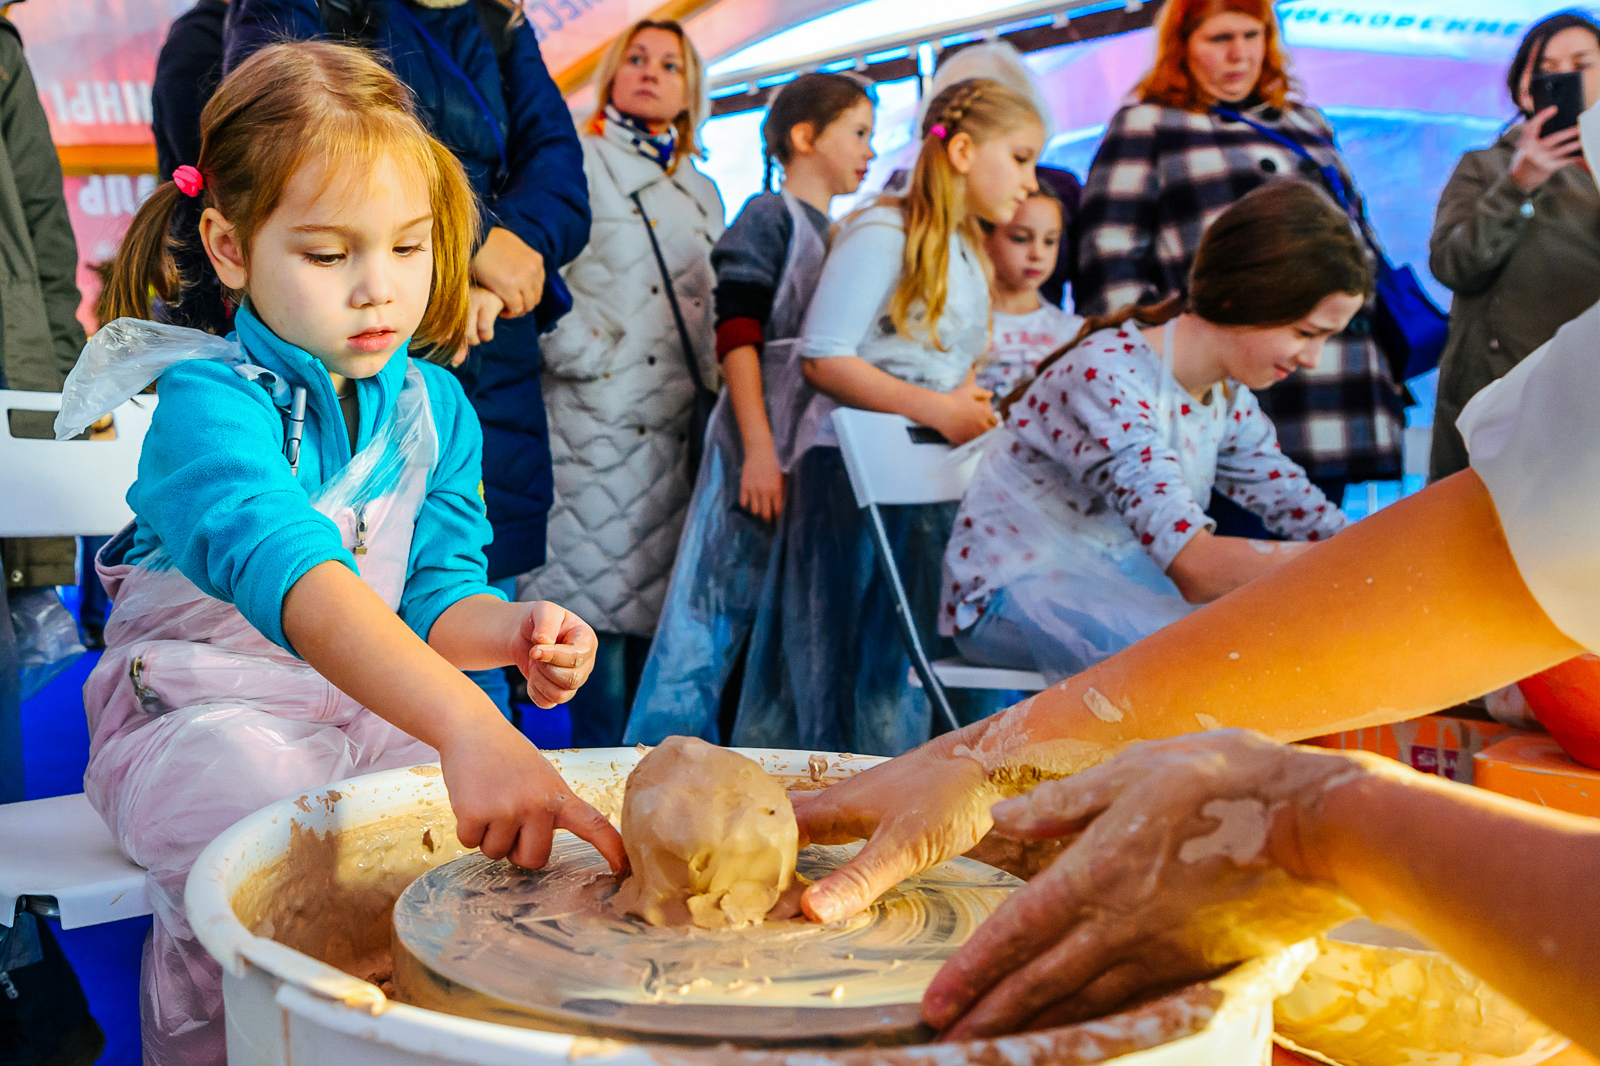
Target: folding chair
(60,860)
(892,460)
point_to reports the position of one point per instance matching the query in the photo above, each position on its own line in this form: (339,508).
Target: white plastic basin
(319,873)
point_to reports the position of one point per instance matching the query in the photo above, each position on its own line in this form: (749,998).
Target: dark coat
(187,73)
(1521,267)
(474,103)
(40,336)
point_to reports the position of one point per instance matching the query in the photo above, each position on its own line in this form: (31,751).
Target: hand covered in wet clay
(555,651)
(1188,860)
(914,812)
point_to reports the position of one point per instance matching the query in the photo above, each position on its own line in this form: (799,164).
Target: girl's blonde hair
(287,106)
(982,109)
(696,103)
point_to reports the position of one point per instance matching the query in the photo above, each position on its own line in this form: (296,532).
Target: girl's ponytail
(292,105)
(982,109)
(144,260)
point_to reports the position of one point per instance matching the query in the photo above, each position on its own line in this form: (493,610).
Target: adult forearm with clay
(1418,607)
(1193,853)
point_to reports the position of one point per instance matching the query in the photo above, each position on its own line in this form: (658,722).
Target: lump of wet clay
(711,839)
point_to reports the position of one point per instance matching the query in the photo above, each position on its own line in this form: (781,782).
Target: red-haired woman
(1173,160)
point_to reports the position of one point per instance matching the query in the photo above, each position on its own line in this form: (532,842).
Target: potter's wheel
(543,949)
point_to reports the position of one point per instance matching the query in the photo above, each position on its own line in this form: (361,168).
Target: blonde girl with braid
(898,322)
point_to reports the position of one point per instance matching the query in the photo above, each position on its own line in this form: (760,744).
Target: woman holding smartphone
(1517,234)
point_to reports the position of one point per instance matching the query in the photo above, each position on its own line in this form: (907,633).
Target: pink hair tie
(188,180)
(939,131)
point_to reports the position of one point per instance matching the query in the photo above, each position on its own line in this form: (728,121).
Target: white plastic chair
(72,488)
(892,460)
(60,860)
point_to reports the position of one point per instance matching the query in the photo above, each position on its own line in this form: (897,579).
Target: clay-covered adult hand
(1538,158)
(507,267)
(509,801)
(1188,861)
(555,650)
(914,812)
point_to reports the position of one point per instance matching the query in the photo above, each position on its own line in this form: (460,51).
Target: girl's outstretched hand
(914,812)
(1188,860)
(555,651)
(508,799)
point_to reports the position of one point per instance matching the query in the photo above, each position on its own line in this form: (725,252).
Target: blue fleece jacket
(505,120)
(215,491)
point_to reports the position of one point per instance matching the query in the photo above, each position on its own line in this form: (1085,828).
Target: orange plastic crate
(1437,744)
(1532,767)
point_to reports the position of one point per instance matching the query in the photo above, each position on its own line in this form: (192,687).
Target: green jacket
(40,336)
(1520,268)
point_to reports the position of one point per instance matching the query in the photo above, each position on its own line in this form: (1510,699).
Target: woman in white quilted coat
(616,383)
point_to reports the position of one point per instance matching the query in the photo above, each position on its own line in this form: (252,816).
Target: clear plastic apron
(725,554)
(1090,588)
(196,719)
(794,408)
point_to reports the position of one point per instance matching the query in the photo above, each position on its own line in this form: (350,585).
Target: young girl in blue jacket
(304,579)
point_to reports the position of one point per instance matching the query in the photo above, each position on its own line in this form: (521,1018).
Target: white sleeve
(863,266)
(1533,438)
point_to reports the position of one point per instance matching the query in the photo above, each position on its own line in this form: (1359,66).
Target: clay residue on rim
(331,895)
(1158,1022)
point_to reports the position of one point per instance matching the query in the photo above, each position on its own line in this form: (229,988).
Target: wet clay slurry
(551,949)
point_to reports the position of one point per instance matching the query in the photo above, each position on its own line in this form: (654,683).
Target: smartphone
(1564,92)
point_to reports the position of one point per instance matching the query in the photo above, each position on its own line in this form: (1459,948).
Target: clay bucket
(305,886)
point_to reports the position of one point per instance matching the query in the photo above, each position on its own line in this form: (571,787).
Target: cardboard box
(1532,767)
(1438,744)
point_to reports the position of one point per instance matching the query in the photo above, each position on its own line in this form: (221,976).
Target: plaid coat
(1161,176)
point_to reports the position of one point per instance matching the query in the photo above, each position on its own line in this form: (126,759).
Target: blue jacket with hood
(215,491)
(505,120)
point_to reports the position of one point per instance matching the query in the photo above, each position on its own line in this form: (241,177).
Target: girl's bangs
(354,149)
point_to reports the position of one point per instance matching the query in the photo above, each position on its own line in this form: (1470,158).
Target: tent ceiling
(1028,26)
